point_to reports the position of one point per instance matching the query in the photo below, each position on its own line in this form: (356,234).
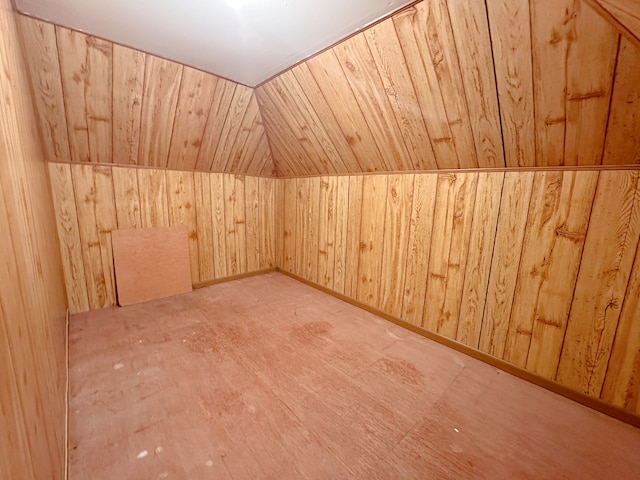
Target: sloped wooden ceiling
(457,84)
(440,85)
(101,102)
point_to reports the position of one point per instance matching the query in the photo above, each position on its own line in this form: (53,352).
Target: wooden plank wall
(456,84)
(104,103)
(624,12)
(32,297)
(230,218)
(540,269)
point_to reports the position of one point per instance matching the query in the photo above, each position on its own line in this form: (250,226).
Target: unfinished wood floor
(266,377)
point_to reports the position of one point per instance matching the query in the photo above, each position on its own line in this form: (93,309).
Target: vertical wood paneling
(252,215)
(591,62)
(232,125)
(32,303)
(224,94)
(334,85)
(154,211)
(455,200)
(39,38)
(327,230)
(353,236)
(511,39)
(289,223)
(69,235)
(409,26)
(93,188)
(396,239)
(419,247)
(284,99)
(374,203)
(360,71)
(516,193)
(182,211)
(342,225)
(622,381)
(387,54)
(556,227)
(160,98)
(623,131)
(127,197)
(194,102)
(609,251)
(311,241)
(434,17)
(473,43)
(527,283)
(327,119)
(218,218)
(230,220)
(234,215)
(302,237)
(85,65)
(269,211)
(481,241)
(128,85)
(204,226)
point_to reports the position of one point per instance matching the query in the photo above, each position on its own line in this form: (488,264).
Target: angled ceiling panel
(438,85)
(100,102)
(247,41)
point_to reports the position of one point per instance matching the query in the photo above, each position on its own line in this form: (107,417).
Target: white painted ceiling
(247,41)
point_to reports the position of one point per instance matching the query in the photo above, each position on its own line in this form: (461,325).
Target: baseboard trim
(231,278)
(591,402)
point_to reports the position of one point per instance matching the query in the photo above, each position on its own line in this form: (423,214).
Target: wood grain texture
(473,43)
(93,189)
(623,132)
(386,50)
(516,193)
(152,186)
(194,103)
(101,102)
(69,235)
(32,296)
(614,230)
(591,61)
(481,242)
(627,12)
(556,227)
(327,230)
(622,381)
(127,197)
(455,199)
(538,269)
(85,67)
(181,201)
(234,214)
(371,238)
(162,80)
(511,38)
(128,90)
(230,222)
(438,85)
(419,247)
(39,38)
(151,263)
(411,33)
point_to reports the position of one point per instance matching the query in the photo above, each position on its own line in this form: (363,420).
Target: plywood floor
(266,377)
